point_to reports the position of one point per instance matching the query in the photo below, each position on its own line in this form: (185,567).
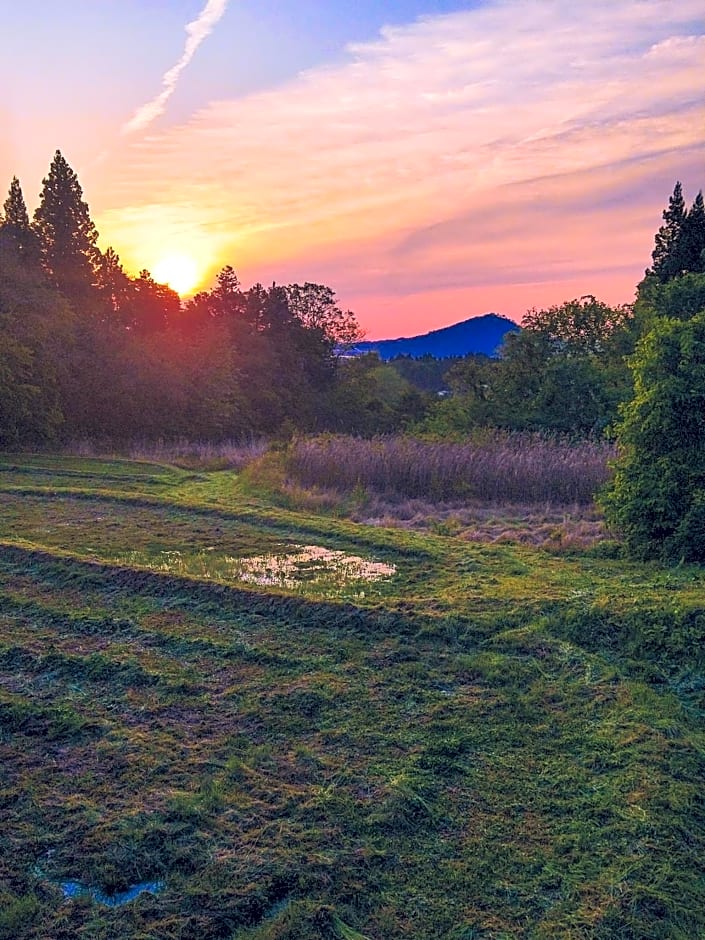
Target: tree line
(88,351)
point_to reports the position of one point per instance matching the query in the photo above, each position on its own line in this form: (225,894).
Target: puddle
(305,567)
(311,563)
(74,889)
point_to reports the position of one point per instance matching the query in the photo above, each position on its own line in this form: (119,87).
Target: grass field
(214,724)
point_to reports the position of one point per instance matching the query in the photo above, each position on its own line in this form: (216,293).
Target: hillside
(476,335)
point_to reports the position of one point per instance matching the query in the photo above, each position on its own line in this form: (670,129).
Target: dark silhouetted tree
(16,233)
(666,256)
(692,249)
(151,307)
(315,305)
(113,287)
(67,235)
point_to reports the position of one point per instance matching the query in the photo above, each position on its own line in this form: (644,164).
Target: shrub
(656,496)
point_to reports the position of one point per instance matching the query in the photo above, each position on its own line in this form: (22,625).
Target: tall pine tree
(692,250)
(666,256)
(67,235)
(16,234)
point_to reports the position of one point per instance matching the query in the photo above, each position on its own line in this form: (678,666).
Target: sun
(180,272)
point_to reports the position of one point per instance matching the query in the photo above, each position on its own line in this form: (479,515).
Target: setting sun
(180,272)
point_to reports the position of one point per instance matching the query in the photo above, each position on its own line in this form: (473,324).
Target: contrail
(196,32)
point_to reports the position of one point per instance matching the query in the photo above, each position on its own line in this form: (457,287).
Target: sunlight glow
(180,272)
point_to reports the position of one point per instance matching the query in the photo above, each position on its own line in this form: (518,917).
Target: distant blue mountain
(477,335)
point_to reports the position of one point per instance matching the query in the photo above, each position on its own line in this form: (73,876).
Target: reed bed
(221,455)
(500,468)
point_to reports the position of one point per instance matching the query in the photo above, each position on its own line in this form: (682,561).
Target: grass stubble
(498,741)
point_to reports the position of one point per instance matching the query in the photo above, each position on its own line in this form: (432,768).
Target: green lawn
(490,742)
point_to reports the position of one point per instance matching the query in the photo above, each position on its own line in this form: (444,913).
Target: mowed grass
(496,742)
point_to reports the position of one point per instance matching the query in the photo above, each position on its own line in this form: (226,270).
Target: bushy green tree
(680,299)
(657,497)
(582,326)
(36,335)
(370,397)
(564,371)
(316,306)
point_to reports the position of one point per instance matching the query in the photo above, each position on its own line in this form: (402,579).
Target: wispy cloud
(489,146)
(196,31)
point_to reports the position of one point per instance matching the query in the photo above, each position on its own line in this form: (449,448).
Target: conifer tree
(16,234)
(692,248)
(113,286)
(666,256)
(67,234)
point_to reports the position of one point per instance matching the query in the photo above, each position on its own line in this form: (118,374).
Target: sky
(430,160)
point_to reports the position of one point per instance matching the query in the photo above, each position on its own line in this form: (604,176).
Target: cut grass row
(504,744)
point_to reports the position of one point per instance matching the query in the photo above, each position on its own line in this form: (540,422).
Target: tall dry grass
(500,468)
(223,455)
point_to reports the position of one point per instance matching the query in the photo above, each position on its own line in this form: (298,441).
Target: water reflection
(74,889)
(311,563)
(305,567)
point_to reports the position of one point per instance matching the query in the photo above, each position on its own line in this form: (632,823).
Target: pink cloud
(475,151)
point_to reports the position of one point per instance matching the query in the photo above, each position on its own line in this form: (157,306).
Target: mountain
(476,335)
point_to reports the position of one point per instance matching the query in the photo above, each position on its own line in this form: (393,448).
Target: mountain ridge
(483,334)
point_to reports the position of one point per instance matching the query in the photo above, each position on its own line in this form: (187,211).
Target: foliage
(656,498)
(427,373)
(93,351)
(315,306)
(665,256)
(36,336)
(583,326)
(563,372)
(680,299)
(371,397)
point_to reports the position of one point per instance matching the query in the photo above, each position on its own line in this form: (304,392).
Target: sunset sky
(430,161)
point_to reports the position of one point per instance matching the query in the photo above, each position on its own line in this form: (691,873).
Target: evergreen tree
(666,256)
(67,234)
(692,248)
(16,234)
(113,287)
